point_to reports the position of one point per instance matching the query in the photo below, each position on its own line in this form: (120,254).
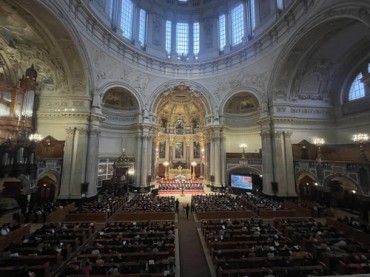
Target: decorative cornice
(80,115)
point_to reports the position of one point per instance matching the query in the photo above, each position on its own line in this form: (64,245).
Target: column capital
(82,131)
(70,131)
(265,134)
(95,132)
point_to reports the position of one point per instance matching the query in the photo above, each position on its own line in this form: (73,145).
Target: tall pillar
(150,157)
(223,159)
(267,161)
(217,157)
(211,159)
(284,163)
(289,167)
(156,160)
(139,158)
(277,159)
(74,163)
(144,160)
(79,161)
(92,162)
(67,164)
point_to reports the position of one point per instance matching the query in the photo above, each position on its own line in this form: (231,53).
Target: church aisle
(193,263)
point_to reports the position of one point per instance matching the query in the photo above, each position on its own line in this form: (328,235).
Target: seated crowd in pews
(6,228)
(181,185)
(355,223)
(256,202)
(43,251)
(128,248)
(331,245)
(217,202)
(83,249)
(38,214)
(251,247)
(104,204)
(317,210)
(149,203)
(226,202)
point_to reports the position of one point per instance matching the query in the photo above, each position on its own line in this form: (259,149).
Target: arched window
(182,39)
(168,37)
(183,36)
(237,25)
(221,32)
(196,39)
(357,89)
(142,27)
(252,11)
(280,5)
(127,15)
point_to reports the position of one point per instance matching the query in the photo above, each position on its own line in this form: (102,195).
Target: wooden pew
(86,217)
(15,236)
(41,270)
(225,214)
(293,271)
(351,232)
(60,214)
(152,216)
(278,213)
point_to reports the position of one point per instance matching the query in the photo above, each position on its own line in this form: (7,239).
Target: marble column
(277,161)
(285,165)
(79,160)
(138,159)
(150,157)
(212,158)
(217,157)
(74,162)
(223,159)
(144,160)
(267,161)
(92,163)
(67,164)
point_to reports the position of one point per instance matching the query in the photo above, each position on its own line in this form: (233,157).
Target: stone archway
(181,133)
(343,192)
(47,188)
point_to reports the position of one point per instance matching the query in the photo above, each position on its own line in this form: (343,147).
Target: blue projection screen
(241,182)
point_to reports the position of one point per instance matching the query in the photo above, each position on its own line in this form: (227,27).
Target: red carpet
(172,192)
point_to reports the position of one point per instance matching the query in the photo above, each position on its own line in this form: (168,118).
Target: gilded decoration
(181,115)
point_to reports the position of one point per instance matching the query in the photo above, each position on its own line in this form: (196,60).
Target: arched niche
(118,98)
(241,103)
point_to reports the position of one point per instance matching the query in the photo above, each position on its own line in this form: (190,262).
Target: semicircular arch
(196,90)
(101,91)
(295,57)
(249,97)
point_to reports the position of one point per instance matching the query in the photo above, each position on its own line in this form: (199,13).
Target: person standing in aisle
(187,208)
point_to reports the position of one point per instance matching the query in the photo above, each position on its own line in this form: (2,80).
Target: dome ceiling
(25,41)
